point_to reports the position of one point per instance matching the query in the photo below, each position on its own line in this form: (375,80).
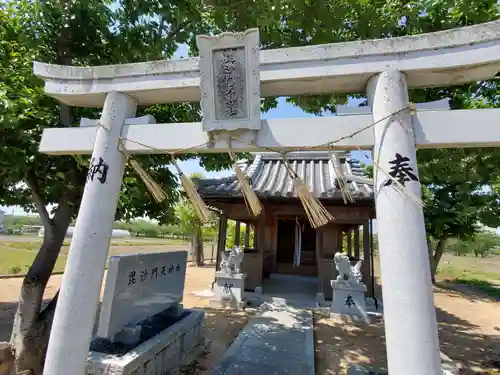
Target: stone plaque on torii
(384,69)
(230,83)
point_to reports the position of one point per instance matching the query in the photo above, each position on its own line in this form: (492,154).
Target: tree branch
(64,212)
(39,202)
(172,33)
(436,257)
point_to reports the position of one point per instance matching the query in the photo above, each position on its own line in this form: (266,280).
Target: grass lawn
(482,274)
(479,273)
(17,255)
(14,261)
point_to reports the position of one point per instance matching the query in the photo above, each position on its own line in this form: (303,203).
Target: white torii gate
(385,69)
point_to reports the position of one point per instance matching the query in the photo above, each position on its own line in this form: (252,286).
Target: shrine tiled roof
(269,178)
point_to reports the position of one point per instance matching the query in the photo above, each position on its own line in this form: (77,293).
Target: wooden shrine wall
(259,262)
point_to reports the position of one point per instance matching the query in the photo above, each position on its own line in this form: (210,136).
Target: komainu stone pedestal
(348,300)
(229,290)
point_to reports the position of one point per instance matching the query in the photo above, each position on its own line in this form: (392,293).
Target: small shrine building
(283,240)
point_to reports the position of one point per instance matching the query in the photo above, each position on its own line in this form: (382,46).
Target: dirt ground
(469,328)
(469,333)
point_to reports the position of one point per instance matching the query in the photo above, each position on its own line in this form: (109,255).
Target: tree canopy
(45,31)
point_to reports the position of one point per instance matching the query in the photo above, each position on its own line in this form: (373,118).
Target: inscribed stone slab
(139,286)
(230,83)
(230,80)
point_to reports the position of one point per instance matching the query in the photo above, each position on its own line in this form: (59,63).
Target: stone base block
(349,300)
(162,354)
(253,299)
(320,297)
(229,288)
(374,305)
(370,301)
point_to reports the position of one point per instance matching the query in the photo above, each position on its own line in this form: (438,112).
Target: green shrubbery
(482,244)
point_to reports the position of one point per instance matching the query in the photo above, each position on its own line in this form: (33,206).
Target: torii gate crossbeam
(440,59)
(431,128)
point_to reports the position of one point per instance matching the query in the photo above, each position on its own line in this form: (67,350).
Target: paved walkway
(278,340)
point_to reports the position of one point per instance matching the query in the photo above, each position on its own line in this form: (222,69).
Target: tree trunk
(197,248)
(32,324)
(436,257)
(431,258)
(200,258)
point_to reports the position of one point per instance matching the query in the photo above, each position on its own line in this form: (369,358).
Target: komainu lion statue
(231,261)
(346,271)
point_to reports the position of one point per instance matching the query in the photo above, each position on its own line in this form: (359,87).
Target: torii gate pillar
(76,310)
(409,313)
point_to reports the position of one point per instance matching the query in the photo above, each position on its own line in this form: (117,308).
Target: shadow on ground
(7,312)
(343,344)
(472,289)
(221,328)
(458,342)
(339,344)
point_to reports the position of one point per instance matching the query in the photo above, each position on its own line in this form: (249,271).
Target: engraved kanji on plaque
(230,81)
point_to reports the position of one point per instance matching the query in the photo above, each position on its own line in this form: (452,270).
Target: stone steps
(279,340)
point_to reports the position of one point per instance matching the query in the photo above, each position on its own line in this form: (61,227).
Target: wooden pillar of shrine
(248,228)
(221,240)
(367,259)
(356,242)
(237,233)
(349,241)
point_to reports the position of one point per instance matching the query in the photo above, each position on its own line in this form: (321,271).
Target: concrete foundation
(163,354)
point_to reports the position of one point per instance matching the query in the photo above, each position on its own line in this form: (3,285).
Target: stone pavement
(278,340)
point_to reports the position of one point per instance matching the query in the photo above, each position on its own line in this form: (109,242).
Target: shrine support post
(81,284)
(409,312)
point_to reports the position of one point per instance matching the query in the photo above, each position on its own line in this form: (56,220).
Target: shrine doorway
(296,247)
